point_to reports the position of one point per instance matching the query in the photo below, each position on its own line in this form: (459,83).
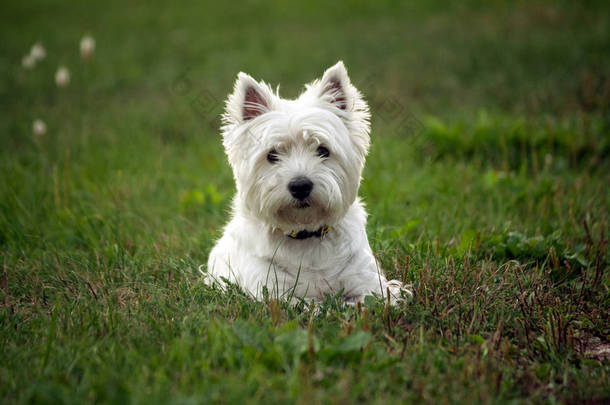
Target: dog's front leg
(359,283)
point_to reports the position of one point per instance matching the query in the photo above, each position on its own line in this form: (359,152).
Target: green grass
(487,187)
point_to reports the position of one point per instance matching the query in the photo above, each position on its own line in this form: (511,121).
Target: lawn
(487,186)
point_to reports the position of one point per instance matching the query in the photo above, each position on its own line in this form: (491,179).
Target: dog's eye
(272,156)
(323,152)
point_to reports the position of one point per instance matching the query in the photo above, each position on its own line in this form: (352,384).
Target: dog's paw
(399,292)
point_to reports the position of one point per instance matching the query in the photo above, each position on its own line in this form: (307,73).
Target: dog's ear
(248,100)
(336,88)
(333,84)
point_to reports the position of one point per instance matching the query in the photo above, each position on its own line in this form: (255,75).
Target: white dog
(298,226)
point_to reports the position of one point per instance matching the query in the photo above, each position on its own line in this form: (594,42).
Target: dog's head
(297,163)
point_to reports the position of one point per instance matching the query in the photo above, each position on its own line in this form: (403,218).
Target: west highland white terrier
(298,226)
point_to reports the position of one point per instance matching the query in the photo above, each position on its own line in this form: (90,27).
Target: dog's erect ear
(336,88)
(248,100)
(333,85)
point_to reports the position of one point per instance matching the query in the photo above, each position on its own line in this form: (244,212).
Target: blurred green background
(491,144)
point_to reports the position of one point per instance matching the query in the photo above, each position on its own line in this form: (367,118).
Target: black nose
(300,187)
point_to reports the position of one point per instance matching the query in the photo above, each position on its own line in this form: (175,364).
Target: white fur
(255,250)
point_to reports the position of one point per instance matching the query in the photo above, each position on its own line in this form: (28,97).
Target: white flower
(28,62)
(39,127)
(38,52)
(62,76)
(87,46)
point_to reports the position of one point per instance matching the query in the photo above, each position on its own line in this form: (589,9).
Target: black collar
(306,234)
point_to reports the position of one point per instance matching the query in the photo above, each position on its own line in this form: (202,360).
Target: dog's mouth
(301,205)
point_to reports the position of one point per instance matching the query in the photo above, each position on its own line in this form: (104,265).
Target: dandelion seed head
(39,128)
(38,52)
(87,47)
(62,76)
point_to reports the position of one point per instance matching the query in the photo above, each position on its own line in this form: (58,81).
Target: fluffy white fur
(255,250)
